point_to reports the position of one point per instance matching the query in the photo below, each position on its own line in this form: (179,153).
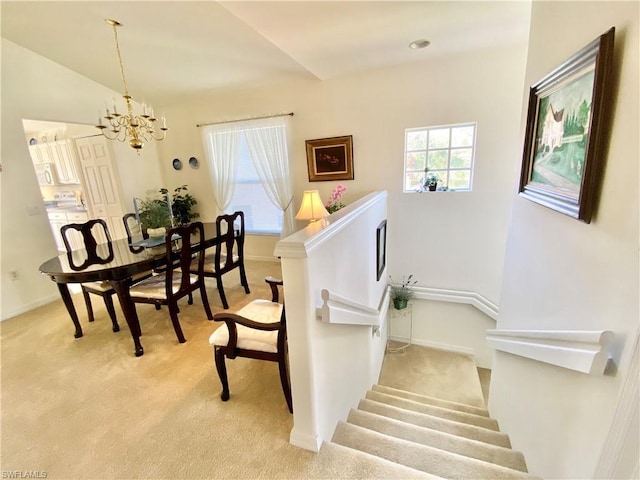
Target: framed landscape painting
(330,158)
(565,135)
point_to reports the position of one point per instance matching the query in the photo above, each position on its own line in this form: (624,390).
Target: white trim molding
(483,304)
(583,351)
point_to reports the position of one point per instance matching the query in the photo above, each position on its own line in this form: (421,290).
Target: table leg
(68,302)
(129,309)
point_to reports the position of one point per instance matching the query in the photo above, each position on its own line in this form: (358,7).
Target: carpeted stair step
(462,417)
(437,402)
(443,441)
(421,457)
(358,464)
(436,423)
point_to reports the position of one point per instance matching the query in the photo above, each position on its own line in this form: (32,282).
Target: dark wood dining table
(120,260)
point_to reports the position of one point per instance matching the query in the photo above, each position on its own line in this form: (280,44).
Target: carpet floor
(88,409)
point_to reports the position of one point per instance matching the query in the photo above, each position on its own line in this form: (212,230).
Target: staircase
(418,436)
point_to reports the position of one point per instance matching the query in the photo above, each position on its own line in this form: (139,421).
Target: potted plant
(181,205)
(402,293)
(334,204)
(430,181)
(155,217)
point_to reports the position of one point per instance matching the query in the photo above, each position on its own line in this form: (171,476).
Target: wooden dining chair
(92,233)
(258,330)
(132,228)
(177,281)
(228,253)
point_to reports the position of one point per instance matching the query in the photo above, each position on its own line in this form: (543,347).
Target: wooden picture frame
(565,138)
(381,249)
(330,158)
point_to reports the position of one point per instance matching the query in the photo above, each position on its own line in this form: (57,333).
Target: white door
(101,186)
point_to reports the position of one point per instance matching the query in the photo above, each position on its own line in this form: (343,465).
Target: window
(447,151)
(261,216)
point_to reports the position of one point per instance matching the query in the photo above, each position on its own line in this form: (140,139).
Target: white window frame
(449,149)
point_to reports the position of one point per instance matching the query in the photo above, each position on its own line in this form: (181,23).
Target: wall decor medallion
(177,164)
(193,162)
(330,158)
(565,138)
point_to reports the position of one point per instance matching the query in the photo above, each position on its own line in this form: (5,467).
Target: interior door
(102,190)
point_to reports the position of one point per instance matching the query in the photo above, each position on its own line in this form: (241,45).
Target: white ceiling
(178,50)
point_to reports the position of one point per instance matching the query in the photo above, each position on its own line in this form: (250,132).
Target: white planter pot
(159,232)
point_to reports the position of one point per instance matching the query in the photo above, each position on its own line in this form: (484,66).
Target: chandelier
(138,129)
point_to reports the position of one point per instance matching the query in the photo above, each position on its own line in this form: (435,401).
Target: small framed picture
(565,138)
(381,248)
(330,158)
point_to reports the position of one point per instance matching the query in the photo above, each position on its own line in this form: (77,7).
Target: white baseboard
(302,440)
(262,258)
(438,346)
(30,306)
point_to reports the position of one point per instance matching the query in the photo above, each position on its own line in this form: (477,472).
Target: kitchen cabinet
(62,155)
(58,219)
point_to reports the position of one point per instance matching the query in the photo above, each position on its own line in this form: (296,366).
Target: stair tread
(421,457)
(435,438)
(353,463)
(438,423)
(463,407)
(439,411)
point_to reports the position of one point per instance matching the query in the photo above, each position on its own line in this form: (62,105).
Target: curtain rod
(244,119)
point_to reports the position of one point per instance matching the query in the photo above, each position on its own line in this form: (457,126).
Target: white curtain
(267,140)
(220,145)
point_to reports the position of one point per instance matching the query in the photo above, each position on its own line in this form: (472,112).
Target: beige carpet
(87,408)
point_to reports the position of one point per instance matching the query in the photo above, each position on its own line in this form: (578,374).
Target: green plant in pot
(182,204)
(430,181)
(401,293)
(155,217)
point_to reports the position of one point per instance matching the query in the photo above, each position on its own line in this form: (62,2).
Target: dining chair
(177,281)
(258,330)
(228,254)
(132,227)
(92,233)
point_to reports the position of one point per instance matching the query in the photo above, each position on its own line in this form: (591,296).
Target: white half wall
(332,365)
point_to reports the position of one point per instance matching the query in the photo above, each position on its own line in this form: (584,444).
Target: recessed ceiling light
(419,44)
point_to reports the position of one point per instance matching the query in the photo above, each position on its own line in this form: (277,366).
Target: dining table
(115,262)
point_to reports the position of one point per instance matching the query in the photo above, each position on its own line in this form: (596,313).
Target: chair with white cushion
(258,330)
(90,233)
(176,281)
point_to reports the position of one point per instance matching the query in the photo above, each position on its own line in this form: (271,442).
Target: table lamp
(312,207)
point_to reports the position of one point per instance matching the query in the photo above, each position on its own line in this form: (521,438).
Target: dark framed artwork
(330,158)
(565,138)
(381,248)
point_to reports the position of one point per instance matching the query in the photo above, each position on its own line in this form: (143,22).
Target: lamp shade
(312,207)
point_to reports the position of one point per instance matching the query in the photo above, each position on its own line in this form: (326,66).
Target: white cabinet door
(101,185)
(64,158)
(57,220)
(37,154)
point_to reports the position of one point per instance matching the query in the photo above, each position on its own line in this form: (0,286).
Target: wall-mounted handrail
(584,351)
(339,309)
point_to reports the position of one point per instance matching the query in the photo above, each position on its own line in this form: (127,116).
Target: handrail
(581,350)
(342,310)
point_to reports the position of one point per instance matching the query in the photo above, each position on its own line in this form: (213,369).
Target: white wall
(447,240)
(36,88)
(563,274)
(332,365)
